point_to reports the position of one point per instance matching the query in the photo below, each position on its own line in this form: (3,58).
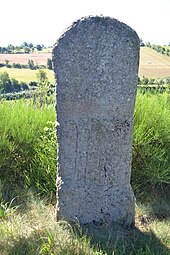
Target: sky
(44,21)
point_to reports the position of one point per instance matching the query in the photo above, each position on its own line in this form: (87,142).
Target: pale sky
(44,21)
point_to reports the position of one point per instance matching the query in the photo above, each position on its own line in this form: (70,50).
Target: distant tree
(160,82)
(39,47)
(24,85)
(42,77)
(17,49)
(5,83)
(49,63)
(151,81)
(17,65)
(10,48)
(25,44)
(167,80)
(30,45)
(27,50)
(141,43)
(15,85)
(159,48)
(33,84)
(144,80)
(163,50)
(148,44)
(7,63)
(31,64)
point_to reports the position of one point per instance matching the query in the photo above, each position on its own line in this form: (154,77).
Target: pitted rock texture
(96,70)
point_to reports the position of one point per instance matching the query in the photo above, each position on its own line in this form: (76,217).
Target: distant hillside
(153,64)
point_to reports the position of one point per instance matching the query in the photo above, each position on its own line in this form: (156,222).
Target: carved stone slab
(96,69)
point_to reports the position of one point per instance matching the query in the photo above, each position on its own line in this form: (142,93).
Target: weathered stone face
(96,69)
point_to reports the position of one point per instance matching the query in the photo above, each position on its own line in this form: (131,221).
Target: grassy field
(28,169)
(32,230)
(26,75)
(153,64)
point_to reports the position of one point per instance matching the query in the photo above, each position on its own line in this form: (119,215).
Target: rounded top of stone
(104,23)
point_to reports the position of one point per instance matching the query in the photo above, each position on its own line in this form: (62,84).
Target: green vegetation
(161,49)
(24,48)
(31,65)
(8,85)
(153,81)
(26,75)
(28,165)
(33,230)
(28,145)
(49,63)
(151,143)
(11,88)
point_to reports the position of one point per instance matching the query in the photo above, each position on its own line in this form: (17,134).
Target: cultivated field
(153,64)
(38,58)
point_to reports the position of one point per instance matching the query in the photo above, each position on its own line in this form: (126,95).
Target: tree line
(160,49)
(12,85)
(153,81)
(23,48)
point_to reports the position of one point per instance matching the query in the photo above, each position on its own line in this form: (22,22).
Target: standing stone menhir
(96,68)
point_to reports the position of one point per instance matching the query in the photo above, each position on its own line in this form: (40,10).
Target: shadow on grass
(110,240)
(160,205)
(131,241)
(25,246)
(103,240)
(157,204)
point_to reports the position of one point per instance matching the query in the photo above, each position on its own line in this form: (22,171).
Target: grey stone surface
(96,69)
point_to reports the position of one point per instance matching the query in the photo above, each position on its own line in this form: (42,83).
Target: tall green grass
(151,142)
(28,160)
(27,146)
